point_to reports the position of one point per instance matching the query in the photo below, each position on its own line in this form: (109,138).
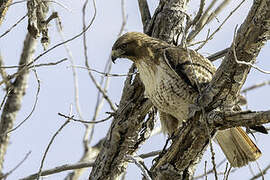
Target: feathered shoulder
(191,66)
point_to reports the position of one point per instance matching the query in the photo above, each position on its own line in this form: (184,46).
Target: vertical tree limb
(145,13)
(14,100)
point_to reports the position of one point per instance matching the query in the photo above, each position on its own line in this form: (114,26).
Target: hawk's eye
(123,46)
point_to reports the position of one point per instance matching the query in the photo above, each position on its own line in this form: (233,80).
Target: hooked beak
(116,54)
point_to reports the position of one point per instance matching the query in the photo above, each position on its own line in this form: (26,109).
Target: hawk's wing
(192,67)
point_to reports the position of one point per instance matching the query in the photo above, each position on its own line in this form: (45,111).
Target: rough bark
(128,130)
(14,100)
(230,76)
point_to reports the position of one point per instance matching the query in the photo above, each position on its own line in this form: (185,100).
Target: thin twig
(250,168)
(99,103)
(211,170)
(202,22)
(79,165)
(49,145)
(255,86)
(219,9)
(84,121)
(56,2)
(197,17)
(35,66)
(218,54)
(150,154)
(228,173)
(205,173)
(225,172)
(253,66)
(74,72)
(139,162)
(33,109)
(243,62)
(220,26)
(59,169)
(16,167)
(87,65)
(5,97)
(264,171)
(45,52)
(258,165)
(49,64)
(88,136)
(103,73)
(14,25)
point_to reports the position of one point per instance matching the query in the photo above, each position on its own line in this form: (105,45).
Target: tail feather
(237,146)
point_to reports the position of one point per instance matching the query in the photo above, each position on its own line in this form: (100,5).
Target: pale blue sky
(57,94)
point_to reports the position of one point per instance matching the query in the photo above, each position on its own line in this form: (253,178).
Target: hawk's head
(135,46)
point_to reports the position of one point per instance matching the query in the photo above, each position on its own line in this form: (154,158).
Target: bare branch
(87,64)
(150,154)
(104,73)
(74,73)
(48,64)
(226,120)
(84,121)
(260,174)
(33,109)
(16,167)
(79,165)
(210,171)
(13,26)
(13,102)
(59,169)
(107,70)
(45,52)
(89,152)
(140,164)
(255,86)
(206,18)
(49,145)
(5,97)
(197,17)
(36,65)
(218,54)
(220,26)
(228,173)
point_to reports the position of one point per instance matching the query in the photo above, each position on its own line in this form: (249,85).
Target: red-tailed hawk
(172,77)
